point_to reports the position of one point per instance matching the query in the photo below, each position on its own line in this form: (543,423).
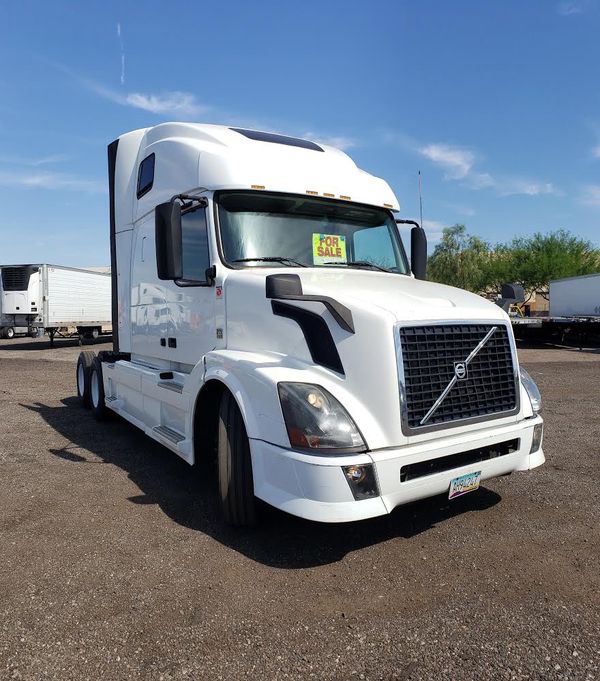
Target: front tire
(97,402)
(84,367)
(9,332)
(236,484)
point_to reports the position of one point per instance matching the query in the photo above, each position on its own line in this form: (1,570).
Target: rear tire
(97,403)
(84,366)
(9,332)
(236,484)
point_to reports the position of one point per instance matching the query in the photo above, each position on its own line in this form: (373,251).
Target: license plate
(463,484)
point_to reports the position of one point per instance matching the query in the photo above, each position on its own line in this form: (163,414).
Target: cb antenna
(420,201)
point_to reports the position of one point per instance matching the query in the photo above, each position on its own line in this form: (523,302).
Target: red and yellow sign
(329,248)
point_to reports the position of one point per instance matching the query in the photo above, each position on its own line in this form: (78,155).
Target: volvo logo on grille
(460,370)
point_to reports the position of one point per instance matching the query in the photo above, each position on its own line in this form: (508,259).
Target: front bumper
(314,487)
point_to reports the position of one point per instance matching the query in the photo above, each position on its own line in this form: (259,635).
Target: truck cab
(266,315)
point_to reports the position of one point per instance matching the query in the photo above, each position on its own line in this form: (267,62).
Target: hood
(407,299)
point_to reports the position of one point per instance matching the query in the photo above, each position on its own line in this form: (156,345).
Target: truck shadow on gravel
(188,496)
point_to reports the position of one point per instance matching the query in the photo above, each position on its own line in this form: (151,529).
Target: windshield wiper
(275,258)
(359,263)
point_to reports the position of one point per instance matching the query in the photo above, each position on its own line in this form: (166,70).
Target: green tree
(460,259)
(468,262)
(534,260)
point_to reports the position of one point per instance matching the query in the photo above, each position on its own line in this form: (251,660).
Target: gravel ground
(114,563)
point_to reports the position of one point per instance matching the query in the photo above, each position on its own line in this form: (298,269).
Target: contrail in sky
(122,53)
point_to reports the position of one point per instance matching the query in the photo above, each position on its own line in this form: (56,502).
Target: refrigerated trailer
(265,317)
(50,298)
(577,297)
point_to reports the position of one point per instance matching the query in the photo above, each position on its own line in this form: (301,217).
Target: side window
(145,176)
(194,237)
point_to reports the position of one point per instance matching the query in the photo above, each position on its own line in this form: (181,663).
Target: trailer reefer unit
(51,297)
(576,297)
(265,316)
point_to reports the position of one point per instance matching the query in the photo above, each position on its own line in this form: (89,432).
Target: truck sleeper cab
(264,312)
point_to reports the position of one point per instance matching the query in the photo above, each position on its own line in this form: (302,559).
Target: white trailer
(265,315)
(576,297)
(53,298)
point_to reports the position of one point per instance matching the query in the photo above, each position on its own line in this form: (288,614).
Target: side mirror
(167,222)
(418,252)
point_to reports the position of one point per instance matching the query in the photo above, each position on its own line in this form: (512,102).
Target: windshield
(283,230)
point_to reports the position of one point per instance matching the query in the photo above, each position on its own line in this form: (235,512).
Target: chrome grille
(428,355)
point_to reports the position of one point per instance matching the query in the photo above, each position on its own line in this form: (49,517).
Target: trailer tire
(97,403)
(236,484)
(84,365)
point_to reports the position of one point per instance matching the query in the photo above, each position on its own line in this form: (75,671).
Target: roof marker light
(346,198)
(388,205)
(308,191)
(328,195)
(257,186)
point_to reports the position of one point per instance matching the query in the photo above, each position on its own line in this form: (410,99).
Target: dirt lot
(114,563)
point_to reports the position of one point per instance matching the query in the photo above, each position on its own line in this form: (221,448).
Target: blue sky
(498,104)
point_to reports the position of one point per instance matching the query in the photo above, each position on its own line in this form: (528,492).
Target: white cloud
(53,158)
(590,195)
(596,151)
(570,7)
(433,229)
(514,186)
(48,180)
(456,161)
(339,142)
(34,162)
(180,104)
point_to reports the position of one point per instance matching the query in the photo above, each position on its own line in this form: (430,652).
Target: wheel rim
(10,333)
(95,389)
(80,379)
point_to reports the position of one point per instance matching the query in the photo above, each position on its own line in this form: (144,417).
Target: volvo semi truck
(50,298)
(266,318)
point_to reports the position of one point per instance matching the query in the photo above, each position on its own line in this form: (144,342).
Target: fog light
(536,443)
(361,480)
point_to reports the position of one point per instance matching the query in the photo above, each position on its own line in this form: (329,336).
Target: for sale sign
(329,248)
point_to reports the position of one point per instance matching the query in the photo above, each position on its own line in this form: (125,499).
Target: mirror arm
(408,222)
(202,201)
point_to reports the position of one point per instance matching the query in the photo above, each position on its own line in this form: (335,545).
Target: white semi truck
(51,298)
(265,316)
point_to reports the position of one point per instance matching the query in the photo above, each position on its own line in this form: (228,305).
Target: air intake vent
(435,360)
(17,278)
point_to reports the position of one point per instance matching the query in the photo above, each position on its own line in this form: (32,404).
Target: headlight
(532,390)
(316,420)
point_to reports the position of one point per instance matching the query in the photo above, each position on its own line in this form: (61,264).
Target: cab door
(191,299)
